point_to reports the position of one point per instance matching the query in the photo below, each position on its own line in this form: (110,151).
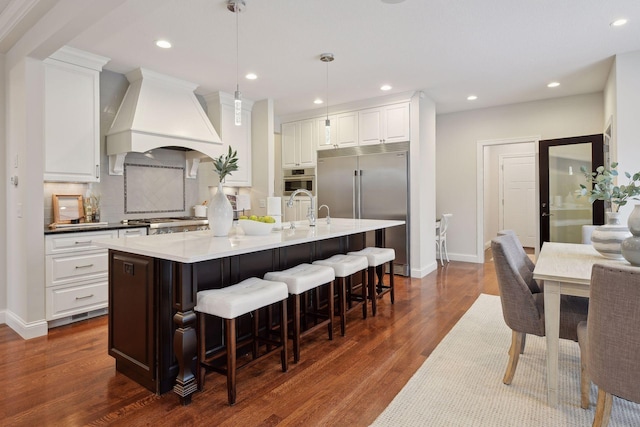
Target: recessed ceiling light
(318,101)
(553,84)
(251,76)
(618,22)
(163,44)
(385,87)
(472,98)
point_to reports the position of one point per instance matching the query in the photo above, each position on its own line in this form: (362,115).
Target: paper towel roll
(274,206)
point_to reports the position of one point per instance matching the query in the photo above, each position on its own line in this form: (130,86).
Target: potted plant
(220,213)
(607,239)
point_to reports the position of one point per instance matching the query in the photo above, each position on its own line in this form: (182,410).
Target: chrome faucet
(328,217)
(311,212)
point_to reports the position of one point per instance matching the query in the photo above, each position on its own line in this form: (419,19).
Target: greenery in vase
(605,189)
(225,164)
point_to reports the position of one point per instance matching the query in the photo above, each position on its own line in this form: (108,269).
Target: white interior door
(518,192)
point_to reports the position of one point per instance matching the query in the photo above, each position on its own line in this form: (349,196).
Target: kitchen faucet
(328,215)
(311,212)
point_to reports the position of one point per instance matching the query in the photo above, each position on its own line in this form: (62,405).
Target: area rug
(460,384)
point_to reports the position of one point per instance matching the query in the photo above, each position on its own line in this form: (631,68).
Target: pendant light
(326,58)
(236,7)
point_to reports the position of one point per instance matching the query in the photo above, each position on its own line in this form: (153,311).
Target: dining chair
(523,310)
(610,339)
(441,238)
(524,264)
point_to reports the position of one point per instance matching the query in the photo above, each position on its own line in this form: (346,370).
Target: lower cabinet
(76,271)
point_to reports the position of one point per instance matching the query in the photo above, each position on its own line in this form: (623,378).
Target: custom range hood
(159,111)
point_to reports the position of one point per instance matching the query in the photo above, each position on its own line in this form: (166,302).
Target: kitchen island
(154,280)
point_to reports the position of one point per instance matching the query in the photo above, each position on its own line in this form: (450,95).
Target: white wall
(4,168)
(457,137)
(422,168)
(627,95)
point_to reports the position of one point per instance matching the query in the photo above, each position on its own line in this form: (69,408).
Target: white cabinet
(298,144)
(299,210)
(344,130)
(386,124)
(76,271)
(221,112)
(72,116)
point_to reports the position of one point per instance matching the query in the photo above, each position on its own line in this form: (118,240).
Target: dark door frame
(597,159)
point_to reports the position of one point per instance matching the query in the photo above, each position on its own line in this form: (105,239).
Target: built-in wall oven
(299,179)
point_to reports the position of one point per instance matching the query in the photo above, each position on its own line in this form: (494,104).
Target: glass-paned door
(562,211)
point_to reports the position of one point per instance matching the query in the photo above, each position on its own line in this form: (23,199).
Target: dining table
(565,269)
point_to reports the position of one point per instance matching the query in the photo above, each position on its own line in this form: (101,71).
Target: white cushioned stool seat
(236,300)
(376,256)
(303,277)
(344,265)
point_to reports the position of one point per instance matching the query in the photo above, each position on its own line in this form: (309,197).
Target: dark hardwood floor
(67,378)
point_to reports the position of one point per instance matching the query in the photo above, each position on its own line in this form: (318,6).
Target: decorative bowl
(255,228)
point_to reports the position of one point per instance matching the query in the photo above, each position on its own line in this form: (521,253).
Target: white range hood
(159,111)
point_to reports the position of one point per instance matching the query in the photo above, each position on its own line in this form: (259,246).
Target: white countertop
(195,246)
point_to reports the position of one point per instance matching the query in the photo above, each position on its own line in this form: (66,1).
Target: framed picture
(67,208)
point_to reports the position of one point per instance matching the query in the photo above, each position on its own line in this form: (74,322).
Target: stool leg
(342,296)
(373,290)
(230,342)
(256,328)
(283,335)
(296,328)
(330,308)
(391,282)
(364,293)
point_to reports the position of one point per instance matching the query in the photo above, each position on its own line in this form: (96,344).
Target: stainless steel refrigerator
(369,182)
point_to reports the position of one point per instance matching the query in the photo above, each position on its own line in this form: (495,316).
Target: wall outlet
(263,203)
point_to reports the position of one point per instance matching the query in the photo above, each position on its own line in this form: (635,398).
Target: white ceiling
(503,51)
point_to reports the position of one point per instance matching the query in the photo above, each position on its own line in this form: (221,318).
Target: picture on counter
(67,208)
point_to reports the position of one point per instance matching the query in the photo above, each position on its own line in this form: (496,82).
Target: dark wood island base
(151,306)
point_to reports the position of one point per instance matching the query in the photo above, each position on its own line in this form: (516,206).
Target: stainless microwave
(299,179)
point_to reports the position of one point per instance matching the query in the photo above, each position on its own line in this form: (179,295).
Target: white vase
(631,245)
(607,239)
(220,213)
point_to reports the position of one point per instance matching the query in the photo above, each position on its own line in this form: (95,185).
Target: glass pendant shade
(238,108)
(327,132)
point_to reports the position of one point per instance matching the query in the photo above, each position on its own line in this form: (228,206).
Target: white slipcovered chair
(441,238)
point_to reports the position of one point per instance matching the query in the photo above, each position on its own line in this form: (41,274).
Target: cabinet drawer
(76,241)
(63,269)
(63,301)
(132,232)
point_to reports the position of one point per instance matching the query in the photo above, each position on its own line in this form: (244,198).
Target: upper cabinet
(72,116)
(344,130)
(298,144)
(221,112)
(385,124)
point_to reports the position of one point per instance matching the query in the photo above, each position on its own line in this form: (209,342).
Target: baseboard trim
(463,258)
(419,273)
(26,330)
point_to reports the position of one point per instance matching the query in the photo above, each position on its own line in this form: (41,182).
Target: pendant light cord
(327,90)
(237,11)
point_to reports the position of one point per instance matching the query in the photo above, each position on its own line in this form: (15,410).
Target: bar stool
(229,303)
(300,279)
(344,266)
(376,258)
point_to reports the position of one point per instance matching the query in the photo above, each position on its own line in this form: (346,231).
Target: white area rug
(460,384)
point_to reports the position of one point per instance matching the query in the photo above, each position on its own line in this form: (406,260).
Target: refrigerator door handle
(360,193)
(354,204)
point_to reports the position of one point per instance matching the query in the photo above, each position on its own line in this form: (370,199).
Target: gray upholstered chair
(610,339)
(524,264)
(523,310)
